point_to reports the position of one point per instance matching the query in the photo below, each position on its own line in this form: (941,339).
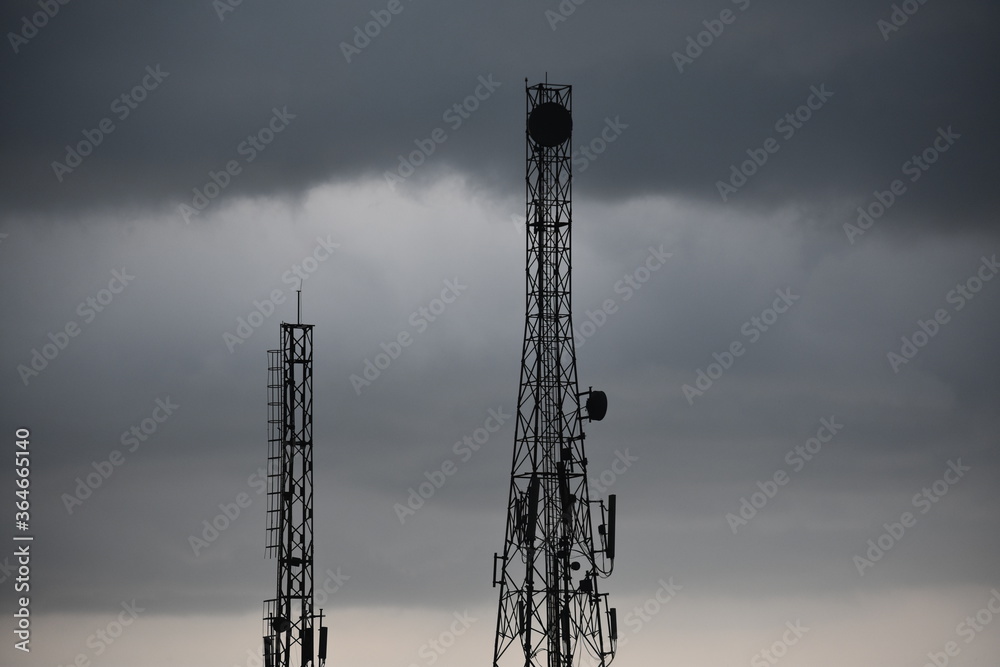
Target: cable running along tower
(289,618)
(550,612)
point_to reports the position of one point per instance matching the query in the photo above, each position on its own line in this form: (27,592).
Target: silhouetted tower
(289,618)
(550,611)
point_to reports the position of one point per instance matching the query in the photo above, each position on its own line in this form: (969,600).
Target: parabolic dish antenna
(550,124)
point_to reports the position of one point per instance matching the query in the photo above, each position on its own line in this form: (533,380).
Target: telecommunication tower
(550,611)
(290,621)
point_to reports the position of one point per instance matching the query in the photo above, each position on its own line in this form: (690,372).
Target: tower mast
(290,620)
(550,612)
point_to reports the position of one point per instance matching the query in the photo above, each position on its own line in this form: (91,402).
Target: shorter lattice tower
(290,621)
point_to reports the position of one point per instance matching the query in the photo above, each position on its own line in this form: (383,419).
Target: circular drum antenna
(597,405)
(550,124)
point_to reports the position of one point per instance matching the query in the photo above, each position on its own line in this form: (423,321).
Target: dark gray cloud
(684,129)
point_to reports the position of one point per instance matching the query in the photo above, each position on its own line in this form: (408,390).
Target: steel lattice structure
(550,612)
(289,618)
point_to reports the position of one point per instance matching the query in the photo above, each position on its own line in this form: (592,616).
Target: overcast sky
(814,183)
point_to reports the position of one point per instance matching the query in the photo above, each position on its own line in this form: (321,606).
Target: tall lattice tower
(290,620)
(550,611)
